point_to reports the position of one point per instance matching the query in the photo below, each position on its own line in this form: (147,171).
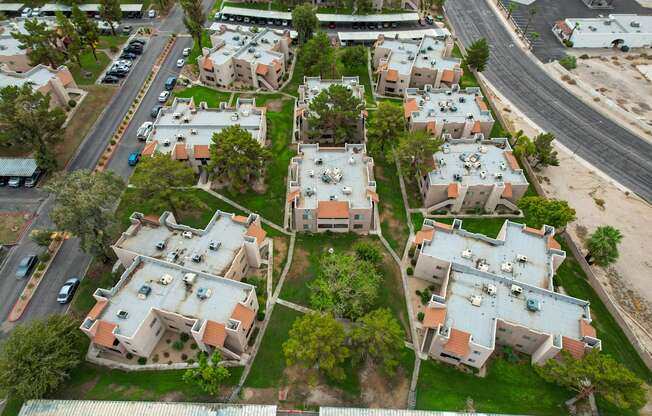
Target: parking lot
(119,69)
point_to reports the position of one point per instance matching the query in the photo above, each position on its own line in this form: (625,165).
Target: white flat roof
(614,23)
(446,104)
(268,14)
(129,408)
(367,18)
(400,34)
(240,42)
(313,86)
(11,7)
(89,7)
(37,76)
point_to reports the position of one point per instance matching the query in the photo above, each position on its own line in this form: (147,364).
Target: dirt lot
(12,225)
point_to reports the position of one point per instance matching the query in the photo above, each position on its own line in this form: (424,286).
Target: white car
(36,12)
(27,11)
(144,130)
(151,14)
(124,62)
(181,63)
(186,51)
(163,97)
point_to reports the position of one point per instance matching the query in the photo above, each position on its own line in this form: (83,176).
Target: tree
(83,205)
(385,127)
(70,38)
(378,336)
(163,5)
(596,373)
(335,110)
(38,356)
(208,376)
(603,245)
(523,145)
(237,158)
(87,29)
(477,54)
(193,19)
(110,12)
(511,8)
(368,251)
(545,154)
(317,341)
(28,121)
(41,237)
(304,21)
(41,43)
(354,56)
(345,286)
(414,152)
(540,211)
(531,13)
(317,57)
(158,179)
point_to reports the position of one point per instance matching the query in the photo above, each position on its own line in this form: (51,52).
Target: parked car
(126,29)
(332,25)
(246,19)
(144,130)
(163,96)
(110,79)
(239,18)
(134,157)
(32,180)
(151,13)
(116,74)
(394,24)
(186,51)
(15,182)
(170,83)
(430,20)
(155,110)
(277,22)
(128,55)
(217,16)
(27,11)
(181,63)
(36,12)
(225,17)
(422,22)
(355,26)
(285,23)
(140,42)
(4,180)
(385,25)
(232,19)
(133,49)
(119,68)
(25,266)
(270,22)
(67,291)
(125,62)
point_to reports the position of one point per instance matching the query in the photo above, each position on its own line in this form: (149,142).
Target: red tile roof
(180,152)
(240,218)
(511,160)
(508,192)
(552,243)
(214,334)
(431,126)
(104,334)
(207,64)
(575,347)
(150,148)
(201,151)
(447,76)
(477,128)
(333,209)
(261,69)
(424,235)
(563,27)
(453,191)
(586,329)
(292,195)
(373,195)
(243,314)
(65,77)
(392,75)
(410,107)
(480,102)
(537,231)
(434,317)
(458,343)
(257,232)
(97,309)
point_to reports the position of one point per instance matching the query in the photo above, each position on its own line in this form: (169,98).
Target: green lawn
(216,8)
(362,71)
(393,218)
(298,73)
(271,203)
(106,42)
(11,227)
(196,50)
(276,6)
(89,65)
(508,388)
(98,276)
(200,93)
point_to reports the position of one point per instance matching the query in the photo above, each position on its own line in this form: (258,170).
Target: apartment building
(180,279)
(614,30)
(459,113)
(245,58)
(497,291)
(407,63)
(473,174)
(58,83)
(185,130)
(331,188)
(12,57)
(311,88)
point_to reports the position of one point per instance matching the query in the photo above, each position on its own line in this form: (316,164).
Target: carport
(11,9)
(256,14)
(16,166)
(368,38)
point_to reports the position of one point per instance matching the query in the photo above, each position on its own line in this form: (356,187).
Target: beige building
(245,58)
(12,57)
(183,280)
(58,83)
(473,174)
(331,188)
(185,130)
(407,63)
(311,88)
(453,111)
(497,291)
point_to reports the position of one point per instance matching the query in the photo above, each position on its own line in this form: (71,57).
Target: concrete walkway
(294,306)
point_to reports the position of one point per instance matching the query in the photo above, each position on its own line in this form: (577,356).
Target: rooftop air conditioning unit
(189,278)
(234,117)
(144,291)
(166,142)
(503,166)
(165,280)
(449,92)
(310,192)
(351,161)
(498,175)
(483,266)
(442,162)
(187,234)
(490,289)
(476,165)
(533,305)
(319,161)
(245,113)
(507,267)
(462,99)
(196,258)
(635,24)
(176,115)
(160,245)
(186,119)
(467,253)
(193,131)
(333,197)
(521,258)
(476,300)
(311,173)
(457,177)
(204,293)
(469,116)
(347,190)
(172,256)
(482,149)
(516,290)
(483,174)
(122,314)
(180,137)
(214,245)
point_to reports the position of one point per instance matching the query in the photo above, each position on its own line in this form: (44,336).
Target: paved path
(294,306)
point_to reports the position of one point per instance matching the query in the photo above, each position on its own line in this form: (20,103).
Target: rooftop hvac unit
(204,293)
(166,142)
(410,57)
(462,99)
(180,137)
(311,173)
(533,305)
(245,113)
(165,280)
(186,119)
(442,162)
(160,245)
(122,314)
(333,197)
(469,116)
(424,57)
(252,50)
(404,61)
(476,300)
(446,149)
(635,24)
(482,149)
(483,266)
(172,256)
(516,290)
(507,267)
(433,62)
(214,245)
(498,175)
(196,258)
(453,108)
(483,174)
(187,234)
(234,117)
(457,177)
(189,278)
(476,165)
(521,258)
(503,166)
(347,190)
(449,92)
(319,161)
(176,115)
(309,192)
(468,165)
(193,131)
(467,253)
(351,161)
(490,289)
(144,291)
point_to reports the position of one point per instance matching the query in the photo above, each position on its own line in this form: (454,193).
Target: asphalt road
(603,143)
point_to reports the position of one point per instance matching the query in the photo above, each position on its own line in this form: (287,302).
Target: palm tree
(511,8)
(603,245)
(532,12)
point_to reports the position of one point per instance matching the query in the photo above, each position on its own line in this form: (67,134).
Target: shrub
(41,266)
(193,346)
(420,316)
(166,354)
(113,142)
(184,337)
(155,358)
(129,356)
(412,251)
(170,362)
(177,345)
(41,237)
(72,103)
(410,271)
(569,62)
(584,56)
(413,262)
(113,48)
(568,43)
(184,357)
(142,360)
(260,316)
(425,296)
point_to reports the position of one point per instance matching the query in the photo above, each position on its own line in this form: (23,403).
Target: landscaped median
(12,226)
(42,267)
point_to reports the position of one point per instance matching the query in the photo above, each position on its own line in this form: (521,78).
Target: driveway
(606,145)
